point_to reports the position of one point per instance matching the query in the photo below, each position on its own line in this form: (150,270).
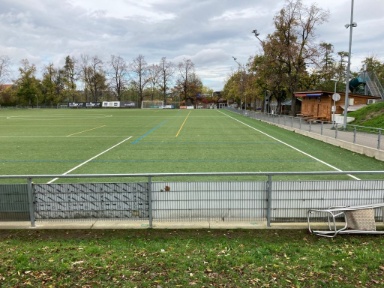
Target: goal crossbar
(156,104)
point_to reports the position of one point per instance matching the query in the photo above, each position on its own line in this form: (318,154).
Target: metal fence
(361,135)
(267,199)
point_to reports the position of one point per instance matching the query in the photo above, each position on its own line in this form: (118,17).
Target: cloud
(209,32)
(140,11)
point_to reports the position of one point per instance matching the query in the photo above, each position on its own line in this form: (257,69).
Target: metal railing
(361,135)
(373,84)
(271,197)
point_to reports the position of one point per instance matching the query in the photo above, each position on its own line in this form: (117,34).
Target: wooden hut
(317,105)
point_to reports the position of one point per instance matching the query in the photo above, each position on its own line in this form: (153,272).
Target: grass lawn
(188,258)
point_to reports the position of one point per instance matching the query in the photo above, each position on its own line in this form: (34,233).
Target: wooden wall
(321,106)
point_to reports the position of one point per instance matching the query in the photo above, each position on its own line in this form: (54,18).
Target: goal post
(156,104)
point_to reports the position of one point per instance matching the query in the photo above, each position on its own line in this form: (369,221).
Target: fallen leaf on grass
(77,263)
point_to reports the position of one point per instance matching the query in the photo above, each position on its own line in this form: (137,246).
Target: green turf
(43,141)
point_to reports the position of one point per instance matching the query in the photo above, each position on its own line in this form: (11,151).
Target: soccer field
(108,141)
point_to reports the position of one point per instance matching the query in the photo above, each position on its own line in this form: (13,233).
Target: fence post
(336,129)
(379,139)
(150,202)
(269,200)
(30,202)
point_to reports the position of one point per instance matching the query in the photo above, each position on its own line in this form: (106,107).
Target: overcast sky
(209,32)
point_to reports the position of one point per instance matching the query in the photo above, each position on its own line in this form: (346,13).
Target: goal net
(152,104)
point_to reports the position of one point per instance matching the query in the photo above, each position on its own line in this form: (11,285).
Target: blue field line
(164,161)
(149,132)
(41,161)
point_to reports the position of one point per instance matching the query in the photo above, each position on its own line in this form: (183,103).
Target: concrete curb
(121,224)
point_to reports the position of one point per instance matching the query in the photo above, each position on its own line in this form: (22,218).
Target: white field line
(94,157)
(46,136)
(292,147)
(86,130)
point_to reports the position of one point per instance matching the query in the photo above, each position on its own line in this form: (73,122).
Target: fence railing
(362,135)
(266,199)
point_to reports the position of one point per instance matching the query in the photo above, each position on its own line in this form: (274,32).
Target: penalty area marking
(89,160)
(292,147)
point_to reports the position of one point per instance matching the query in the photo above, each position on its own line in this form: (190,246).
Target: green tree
(28,86)
(231,90)
(70,76)
(51,85)
(327,63)
(271,72)
(8,95)
(373,64)
(341,66)
(188,88)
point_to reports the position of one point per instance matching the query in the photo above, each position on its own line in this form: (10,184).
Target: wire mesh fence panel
(292,200)
(202,201)
(274,201)
(91,200)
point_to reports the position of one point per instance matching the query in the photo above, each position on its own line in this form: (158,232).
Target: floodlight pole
(334,104)
(350,26)
(241,68)
(257,34)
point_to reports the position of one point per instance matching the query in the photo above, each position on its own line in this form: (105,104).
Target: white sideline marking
(292,147)
(94,157)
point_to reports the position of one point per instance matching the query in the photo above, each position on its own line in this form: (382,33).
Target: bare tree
(186,69)
(154,77)
(139,68)
(167,69)
(93,76)
(4,69)
(119,75)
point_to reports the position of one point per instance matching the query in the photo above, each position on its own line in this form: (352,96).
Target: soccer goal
(156,104)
